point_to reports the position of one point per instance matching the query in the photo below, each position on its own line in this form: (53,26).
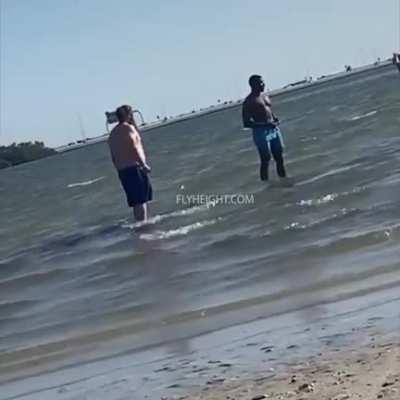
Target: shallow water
(80,282)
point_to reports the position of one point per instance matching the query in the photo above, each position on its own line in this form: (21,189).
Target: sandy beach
(371,371)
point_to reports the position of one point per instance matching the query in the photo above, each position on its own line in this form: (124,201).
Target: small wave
(85,183)
(389,181)
(343,213)
(328,198)
(368,114)
(366,237)
(322,200)
(9,309)
(20,282)
(331,172)
(183,230)
(160,217)
(319,221)
(308,139)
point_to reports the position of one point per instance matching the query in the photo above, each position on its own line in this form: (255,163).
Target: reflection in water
(168,290)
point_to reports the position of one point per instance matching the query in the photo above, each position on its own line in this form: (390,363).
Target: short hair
(254,79)
(122,111)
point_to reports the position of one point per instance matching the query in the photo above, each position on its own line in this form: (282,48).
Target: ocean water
(81,283)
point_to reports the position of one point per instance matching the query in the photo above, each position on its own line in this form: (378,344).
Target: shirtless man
(258,116)
(396,60)
(130,161)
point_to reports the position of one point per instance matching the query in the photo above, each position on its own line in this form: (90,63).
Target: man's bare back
(130,161)
(126,147)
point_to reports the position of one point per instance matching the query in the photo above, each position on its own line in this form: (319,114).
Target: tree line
(15,154)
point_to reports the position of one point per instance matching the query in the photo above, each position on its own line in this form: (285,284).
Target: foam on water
(183,230)
(85,183)
(366,115)
(161,217)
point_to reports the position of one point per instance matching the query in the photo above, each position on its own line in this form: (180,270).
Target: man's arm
(133,122)
(135,145)
(111,153)
(246,117)
(268,104)
(248,121)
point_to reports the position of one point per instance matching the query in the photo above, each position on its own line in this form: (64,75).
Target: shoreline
(288,89)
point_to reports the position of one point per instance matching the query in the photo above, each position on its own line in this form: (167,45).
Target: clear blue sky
(64,57)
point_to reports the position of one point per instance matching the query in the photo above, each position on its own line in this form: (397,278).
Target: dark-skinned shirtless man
(396,60)
(257,115)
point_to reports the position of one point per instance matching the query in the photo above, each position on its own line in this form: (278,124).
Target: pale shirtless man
(130,161)
(257,115)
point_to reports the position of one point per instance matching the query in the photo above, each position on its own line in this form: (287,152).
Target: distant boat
(303,82)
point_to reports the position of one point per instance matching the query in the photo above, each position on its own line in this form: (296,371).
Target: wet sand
(350,348)
(350,356)
(371,371)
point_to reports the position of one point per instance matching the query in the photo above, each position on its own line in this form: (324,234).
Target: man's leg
(263,151)
(264,167)
(277,152)
(140,212)
(265,157)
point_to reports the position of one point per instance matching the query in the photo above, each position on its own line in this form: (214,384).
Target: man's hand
(268,125)
(146,168)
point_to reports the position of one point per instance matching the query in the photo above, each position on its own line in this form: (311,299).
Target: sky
(63,63)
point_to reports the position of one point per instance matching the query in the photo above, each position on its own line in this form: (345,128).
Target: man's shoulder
(249,99)
(122,128)
(125,127)
(267,99)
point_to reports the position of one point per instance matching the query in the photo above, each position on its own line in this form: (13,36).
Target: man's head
(124,114)
(256,83)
